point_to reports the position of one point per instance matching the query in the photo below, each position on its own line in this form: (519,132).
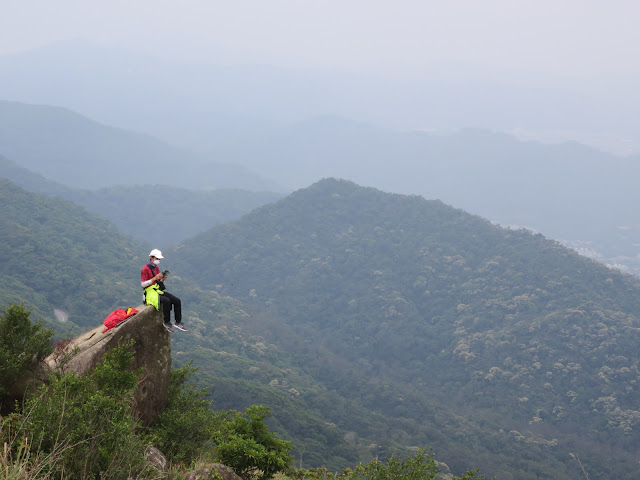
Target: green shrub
(22,344)
(421,466)
(184,429)
(85,422)
(245,444)
(188,430)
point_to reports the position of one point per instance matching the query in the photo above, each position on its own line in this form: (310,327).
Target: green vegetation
(370,324)
(188,430)
(245,444)
(134,209)
(187,423)
(419,466)
(83,427)
(427,317)
(56,252)
(22,344)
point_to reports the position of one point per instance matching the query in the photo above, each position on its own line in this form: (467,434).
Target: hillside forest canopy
(370,323)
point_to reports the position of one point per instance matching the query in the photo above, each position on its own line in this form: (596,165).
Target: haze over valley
(580,196)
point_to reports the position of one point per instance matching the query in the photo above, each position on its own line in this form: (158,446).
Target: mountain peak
(438,304)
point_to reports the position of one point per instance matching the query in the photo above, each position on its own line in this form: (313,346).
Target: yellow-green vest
(152,295)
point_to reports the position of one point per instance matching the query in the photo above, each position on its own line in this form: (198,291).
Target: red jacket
(148,272)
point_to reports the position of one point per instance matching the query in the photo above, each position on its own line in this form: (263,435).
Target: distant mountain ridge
(243,115)
(578,195)
(569,192)
(138,210)
(229,97)
(81,153)
(500,326)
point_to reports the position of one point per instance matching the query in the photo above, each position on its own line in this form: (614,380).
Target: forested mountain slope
(55,254)
(135,210)
(168,214)
(418,312)
(371,323)
(30,180)
(568,192)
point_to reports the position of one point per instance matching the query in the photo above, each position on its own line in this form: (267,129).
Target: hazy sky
(567,38)
(585,52)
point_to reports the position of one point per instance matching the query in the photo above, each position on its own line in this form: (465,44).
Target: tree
(188,428)
(22,344)
(183,430)
(421,466)
(245,444)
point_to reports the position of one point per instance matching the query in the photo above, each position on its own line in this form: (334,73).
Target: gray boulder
(156,458)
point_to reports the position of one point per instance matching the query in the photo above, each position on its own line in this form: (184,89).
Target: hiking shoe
(169,328)
(180,326)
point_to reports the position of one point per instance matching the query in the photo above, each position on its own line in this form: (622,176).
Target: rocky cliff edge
(152,353)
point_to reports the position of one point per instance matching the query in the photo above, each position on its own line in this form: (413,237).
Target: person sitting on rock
(152,281)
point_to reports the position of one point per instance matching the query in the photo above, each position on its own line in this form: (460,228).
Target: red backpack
(118,316)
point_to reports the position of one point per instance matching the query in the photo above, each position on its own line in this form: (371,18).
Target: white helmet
(156,253)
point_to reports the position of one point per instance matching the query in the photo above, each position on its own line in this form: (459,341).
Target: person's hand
(157,277)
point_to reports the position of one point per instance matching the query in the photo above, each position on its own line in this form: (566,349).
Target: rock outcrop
(152,353)
(216,471)
(156,458)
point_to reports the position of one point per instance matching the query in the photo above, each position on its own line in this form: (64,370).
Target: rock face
(152,353)
(156,458)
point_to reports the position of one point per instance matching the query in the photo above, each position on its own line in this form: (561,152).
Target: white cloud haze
(566,38)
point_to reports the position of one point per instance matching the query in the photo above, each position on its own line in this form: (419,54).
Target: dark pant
(167,300)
